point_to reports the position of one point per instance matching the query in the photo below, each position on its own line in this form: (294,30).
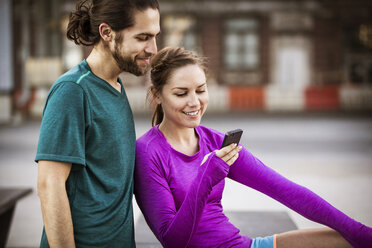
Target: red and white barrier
(223,99)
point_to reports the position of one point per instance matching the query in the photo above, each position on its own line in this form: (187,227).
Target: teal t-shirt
(88,123)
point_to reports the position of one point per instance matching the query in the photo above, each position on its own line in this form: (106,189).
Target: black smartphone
(232,137)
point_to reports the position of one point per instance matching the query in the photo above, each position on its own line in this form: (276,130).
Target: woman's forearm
(175,227)
(253,173)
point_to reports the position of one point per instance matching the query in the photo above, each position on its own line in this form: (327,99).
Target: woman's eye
(181,94)
(200,91)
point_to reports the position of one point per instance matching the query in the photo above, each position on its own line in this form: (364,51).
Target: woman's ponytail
(158,115)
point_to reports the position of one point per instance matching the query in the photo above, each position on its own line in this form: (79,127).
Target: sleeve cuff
(60,158)
(220,165)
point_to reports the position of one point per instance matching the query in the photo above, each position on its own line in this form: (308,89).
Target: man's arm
(55,206)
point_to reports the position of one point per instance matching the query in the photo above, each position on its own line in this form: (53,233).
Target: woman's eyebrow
(185,88)
(179,88)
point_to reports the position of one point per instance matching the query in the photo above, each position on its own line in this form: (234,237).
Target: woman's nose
(193,100)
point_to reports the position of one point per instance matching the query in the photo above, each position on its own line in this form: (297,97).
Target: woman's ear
(155,95)
(105,32)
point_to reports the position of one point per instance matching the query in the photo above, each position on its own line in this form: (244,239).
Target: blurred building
(280,55)
(274,55)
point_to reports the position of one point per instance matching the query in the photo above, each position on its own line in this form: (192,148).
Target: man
(87,139)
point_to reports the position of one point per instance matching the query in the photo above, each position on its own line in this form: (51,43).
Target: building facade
(274,55)
(280,55)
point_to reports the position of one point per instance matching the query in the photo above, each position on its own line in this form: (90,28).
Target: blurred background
(296,76)
(274,55)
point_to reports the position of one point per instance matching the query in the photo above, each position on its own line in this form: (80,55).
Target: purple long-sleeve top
(180,197)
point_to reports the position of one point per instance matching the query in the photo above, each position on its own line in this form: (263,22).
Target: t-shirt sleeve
(173,227)
(251,172)
(62,132)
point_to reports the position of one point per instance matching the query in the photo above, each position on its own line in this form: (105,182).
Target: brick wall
(265,34)
(328,51)
(211,39)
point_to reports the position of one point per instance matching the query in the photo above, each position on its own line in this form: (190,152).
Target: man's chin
(136,71)
(139,73)
(144,67)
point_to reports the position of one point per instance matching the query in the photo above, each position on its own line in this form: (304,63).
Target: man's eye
(142,38)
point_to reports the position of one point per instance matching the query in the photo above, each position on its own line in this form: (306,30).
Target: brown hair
(162,65)
(89,14)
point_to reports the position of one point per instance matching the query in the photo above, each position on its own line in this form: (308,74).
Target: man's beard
(126,63)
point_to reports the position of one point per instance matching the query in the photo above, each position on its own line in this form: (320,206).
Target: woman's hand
(229,154)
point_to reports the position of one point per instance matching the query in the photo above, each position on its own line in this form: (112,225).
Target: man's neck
(103,65)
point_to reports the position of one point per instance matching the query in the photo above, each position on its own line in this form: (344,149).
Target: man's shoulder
(75,74)
(69,83)
(65,90)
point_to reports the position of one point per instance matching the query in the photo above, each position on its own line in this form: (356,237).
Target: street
(331,154)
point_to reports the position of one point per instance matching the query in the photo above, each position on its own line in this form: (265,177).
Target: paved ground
(330,154)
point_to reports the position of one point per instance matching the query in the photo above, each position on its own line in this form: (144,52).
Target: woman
(180,172)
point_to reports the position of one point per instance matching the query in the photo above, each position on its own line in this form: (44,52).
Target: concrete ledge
(356,98)
(137,99)
(224,99)
(5,108)
(8,201)
(218,99)
(282,99)
(252,224)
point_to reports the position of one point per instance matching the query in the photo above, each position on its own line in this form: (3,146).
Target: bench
(8,201)
(251,223)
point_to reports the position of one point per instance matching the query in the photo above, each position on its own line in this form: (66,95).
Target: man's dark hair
(83,26)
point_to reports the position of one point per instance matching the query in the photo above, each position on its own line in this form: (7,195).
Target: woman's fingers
(229,153)
(233,159)
(223,151)
(232,155)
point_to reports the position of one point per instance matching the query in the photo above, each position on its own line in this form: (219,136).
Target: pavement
(331,154)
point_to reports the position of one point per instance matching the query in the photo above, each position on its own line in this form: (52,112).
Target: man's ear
(105,32)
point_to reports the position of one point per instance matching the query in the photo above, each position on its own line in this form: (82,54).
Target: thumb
(205,158)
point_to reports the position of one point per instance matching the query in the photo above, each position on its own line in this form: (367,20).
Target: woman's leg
(311,238)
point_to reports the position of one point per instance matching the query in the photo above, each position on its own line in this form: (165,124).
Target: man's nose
(151,47)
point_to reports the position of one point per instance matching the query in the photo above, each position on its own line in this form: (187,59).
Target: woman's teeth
(192,113)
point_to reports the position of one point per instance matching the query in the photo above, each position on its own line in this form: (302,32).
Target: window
(241,44)
(358,40)
(180,31)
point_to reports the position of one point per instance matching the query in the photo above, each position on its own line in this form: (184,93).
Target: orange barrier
(322,98)
(246,98)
